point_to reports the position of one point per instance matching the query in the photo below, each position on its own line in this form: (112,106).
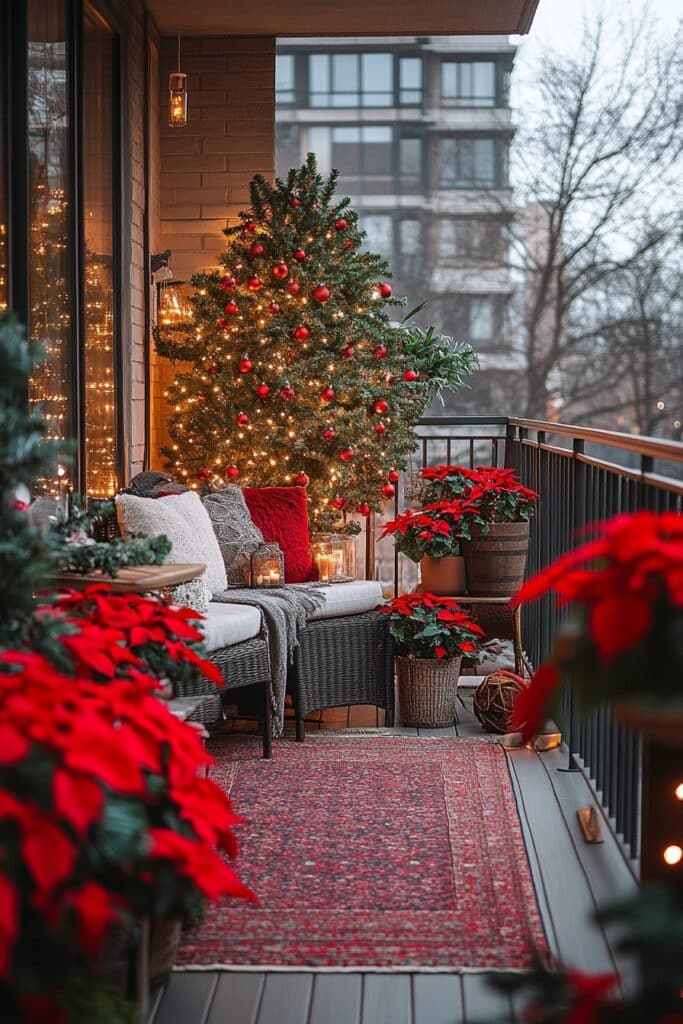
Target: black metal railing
(584,476)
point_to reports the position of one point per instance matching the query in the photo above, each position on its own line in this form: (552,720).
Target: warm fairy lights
(673,855)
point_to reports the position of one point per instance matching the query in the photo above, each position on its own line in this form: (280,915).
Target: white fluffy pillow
(186,523)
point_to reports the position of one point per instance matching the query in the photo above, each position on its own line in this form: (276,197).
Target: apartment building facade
(420,129)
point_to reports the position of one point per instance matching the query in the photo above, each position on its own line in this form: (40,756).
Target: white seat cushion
(350,598)
(228,624)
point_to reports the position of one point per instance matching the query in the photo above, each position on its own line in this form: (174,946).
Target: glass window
(344,92)
(377,85)
(410,81)
(469,83)
(362,155)
(288,147)
(284,78)
(319,79)
(320,143)
(446,244)
(49,285)
(410,237)
(98,197)
(481,319)
(410,163)
(379,231)
(467,163)
(376,163)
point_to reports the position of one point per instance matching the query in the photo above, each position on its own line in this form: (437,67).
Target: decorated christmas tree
(299,376)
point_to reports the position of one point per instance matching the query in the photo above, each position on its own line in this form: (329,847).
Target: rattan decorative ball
(494,697)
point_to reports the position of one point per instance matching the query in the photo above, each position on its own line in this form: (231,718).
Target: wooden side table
(135,579)
(500,615)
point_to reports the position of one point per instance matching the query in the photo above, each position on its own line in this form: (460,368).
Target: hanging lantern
(177,96)
(173,306)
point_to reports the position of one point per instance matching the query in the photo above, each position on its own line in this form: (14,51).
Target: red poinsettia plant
(494,495)
(427,626)
(434,530)
(626,638)
(105,816)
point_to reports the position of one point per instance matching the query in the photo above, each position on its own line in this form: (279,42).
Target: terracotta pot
(443,576)
(427,690)
(495,562)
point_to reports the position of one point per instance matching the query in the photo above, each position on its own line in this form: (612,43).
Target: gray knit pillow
(238,537)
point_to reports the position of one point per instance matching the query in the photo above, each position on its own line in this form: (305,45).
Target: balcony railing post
(509,459)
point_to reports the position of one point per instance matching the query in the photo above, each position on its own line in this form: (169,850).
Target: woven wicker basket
(427,690)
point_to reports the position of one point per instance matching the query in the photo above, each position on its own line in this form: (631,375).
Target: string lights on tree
(299,375)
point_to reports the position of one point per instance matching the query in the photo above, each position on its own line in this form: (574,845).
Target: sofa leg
(267,722)
(300,729)
(389,717)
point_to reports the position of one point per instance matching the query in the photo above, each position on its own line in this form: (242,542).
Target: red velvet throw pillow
(281,514)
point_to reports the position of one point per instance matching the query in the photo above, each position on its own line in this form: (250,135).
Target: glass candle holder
(267,566)
(334,555)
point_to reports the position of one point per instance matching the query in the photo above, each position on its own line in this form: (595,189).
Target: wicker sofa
(344,656)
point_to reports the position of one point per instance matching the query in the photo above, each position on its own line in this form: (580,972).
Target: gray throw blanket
(285,611)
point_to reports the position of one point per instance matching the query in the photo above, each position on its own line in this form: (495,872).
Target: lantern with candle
(334,555)
(267,566)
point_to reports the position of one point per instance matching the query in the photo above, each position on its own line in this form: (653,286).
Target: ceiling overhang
(318,18)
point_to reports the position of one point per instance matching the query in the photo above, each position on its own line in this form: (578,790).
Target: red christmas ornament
(380,352)
(226,284)
(222,323)
(410,375)
(301,333)
(327,394)
(348,244)
(348,352)
(346,454)
(262,390)
(294,202)
(213,368)
(231,308)
(293,288)
(329,433)
(388,490)
(232,472)
(256,249)
(253,283)
(280,271)
(384,290)
(321,293)
(274,307)
(380,407)
(242,419)
(287,392)
(393,476)
(249,226)
(245,364)
(302,480)
(341,224)
(339,502)
(363,509)
(203,474)
(201,398)
(299,255)
(380,428)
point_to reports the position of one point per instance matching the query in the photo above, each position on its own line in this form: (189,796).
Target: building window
(481,319)
(284,78)
(469,238)
(361,154)
(100,253)
(351,80)
(410,81)
(50,287)
(410,163)
(379,234)
(467,163)
(469,83)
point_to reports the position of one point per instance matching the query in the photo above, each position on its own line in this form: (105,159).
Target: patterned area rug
(378,852)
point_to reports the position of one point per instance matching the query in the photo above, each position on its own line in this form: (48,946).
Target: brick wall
(206,167)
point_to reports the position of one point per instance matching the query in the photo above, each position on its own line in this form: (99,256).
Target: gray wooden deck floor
(571,879)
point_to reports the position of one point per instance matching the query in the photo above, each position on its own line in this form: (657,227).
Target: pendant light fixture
(177,96)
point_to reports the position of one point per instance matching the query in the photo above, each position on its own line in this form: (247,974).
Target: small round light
(678,792)
(673,855)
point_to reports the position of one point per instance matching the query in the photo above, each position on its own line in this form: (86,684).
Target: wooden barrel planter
(444,577)
(495,562)
(427,690)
